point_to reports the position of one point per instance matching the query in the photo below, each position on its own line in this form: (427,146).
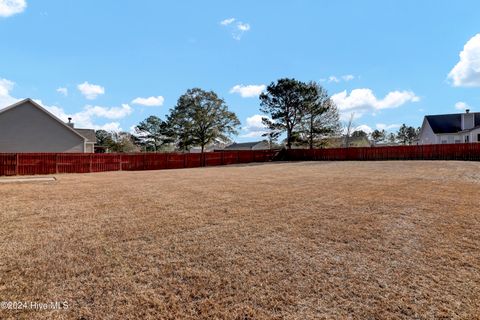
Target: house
(199,149)
(339,142)
(27,127)
(450,128)
(217,144)
(258,145)
(387,144)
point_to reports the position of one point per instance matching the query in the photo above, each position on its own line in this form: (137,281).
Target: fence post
(16,164)
(222,158)
(91,159)
(56,163)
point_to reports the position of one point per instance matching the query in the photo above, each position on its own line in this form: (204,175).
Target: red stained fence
(51,163)
(464,151)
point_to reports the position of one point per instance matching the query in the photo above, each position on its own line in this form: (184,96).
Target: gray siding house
(450,128)
(27,127)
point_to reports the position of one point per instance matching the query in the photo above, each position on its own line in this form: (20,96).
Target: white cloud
(243,26)
(63,91)
(133,131)
(10,7)
(248,91)
(90,91)
(253,134)
(111,126)
(346,116)
(461,106)
(5,87)
(333,79)
(150,101)
(363,100)
(336,79)
(466,72)
(386,127)
(254,128)
(228,21)
(86,117)
(109,113)
(240,29)
(255,122)
(363,128)
(237,29)
(5,98)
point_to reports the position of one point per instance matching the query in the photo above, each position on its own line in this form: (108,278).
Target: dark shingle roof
(244,145)
(87,133)
(449,123)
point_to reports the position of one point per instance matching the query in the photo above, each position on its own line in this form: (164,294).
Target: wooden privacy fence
(463,151)
(51,163)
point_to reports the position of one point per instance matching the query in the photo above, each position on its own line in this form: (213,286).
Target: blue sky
(110,64)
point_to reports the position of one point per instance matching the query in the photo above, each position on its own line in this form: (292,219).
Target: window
(467,139)
(478,137)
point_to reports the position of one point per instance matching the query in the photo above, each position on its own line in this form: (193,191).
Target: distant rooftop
(245,145)
(89,134)
(449,123)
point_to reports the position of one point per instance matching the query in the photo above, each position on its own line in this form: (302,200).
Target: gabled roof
(89,134)
(449,123)
(243,145)
(36,105)
(445,123)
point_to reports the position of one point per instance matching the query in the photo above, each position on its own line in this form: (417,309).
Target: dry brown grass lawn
(362,240)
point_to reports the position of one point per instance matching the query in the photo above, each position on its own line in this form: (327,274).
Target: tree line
(303,112)
(405,135)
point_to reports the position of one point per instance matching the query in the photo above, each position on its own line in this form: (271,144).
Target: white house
(450,128)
